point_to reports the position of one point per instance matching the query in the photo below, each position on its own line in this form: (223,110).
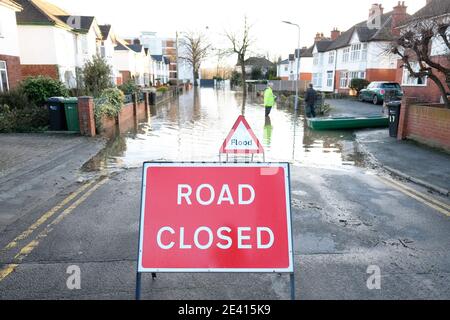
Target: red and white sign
(242,139)
(218,217)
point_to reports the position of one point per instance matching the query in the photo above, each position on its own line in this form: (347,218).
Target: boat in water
(347,123)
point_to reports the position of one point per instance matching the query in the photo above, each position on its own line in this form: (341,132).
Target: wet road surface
(345,217)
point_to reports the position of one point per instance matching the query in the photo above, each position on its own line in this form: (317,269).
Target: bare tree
(240,44)
(414,46)
(194,50)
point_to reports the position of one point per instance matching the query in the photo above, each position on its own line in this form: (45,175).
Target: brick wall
(381,74)
(425,124)
(32,70)
(126,76)
(428,93)
(13,68)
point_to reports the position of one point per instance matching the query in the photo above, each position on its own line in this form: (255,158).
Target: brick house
(424,89)
(9,46)
(360,52)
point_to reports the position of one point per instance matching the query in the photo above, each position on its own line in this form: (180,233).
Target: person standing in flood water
(269,99)
(310,102)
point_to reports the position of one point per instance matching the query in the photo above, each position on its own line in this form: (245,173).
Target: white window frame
(330,79)
(364,52)
(355,52)
(343,81)
(316,59)
(346,55)
(1,80)
(410,81)
(331,55)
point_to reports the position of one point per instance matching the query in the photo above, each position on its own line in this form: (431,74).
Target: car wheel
(361,98)
(375,100)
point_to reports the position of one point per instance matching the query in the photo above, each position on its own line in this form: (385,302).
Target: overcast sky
(130,17)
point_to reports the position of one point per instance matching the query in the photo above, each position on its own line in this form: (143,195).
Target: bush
(15,99)
(109,104)
(18,114)
(129,87)
(29,119)
(96,75)
(39,89)
(359,84)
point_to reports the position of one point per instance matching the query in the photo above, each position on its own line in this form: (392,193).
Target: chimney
(318,37)
(335,33)
(398,16)
(136,41)
(375,11)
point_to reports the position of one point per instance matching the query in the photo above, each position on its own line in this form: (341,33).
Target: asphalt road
(345,220)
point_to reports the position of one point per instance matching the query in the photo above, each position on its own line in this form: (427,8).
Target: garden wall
(425,124)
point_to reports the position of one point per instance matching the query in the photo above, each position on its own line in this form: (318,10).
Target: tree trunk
(441,88)
(244,79)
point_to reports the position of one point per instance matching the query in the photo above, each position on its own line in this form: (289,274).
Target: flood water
(195,125)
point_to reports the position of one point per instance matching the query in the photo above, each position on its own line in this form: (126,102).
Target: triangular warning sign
(241,139)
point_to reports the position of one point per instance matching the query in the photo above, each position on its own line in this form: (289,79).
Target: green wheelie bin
(71,108)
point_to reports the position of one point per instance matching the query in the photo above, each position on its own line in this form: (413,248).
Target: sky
(214,18)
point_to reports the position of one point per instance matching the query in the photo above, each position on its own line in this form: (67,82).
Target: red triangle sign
(242,139)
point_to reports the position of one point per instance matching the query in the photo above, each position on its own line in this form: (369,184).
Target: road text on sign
(215,218)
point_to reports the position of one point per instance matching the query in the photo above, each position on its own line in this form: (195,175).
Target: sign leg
(292,280)
(138,286)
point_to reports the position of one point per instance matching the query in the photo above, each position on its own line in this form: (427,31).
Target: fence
(282,85)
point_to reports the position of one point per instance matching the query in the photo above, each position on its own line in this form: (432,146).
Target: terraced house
(9,46)
(54,43)
(360,52)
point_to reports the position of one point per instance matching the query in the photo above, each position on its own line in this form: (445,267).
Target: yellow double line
(419,196)
(26,250)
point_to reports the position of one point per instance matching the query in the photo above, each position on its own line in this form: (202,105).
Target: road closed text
(204,238)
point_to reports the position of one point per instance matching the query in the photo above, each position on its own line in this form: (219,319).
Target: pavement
(34,168)
(410,160)
(352,108)
(407,159)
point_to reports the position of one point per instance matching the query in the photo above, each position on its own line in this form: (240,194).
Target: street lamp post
(298,63)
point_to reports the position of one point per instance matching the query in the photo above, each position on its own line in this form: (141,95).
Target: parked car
(378,90)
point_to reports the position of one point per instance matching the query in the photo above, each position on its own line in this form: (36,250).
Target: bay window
(410,80)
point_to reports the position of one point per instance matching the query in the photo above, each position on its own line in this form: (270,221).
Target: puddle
(193,127)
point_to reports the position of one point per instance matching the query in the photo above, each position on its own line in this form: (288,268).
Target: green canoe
(348,123)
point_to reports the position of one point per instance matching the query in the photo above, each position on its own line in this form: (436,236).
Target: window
(331,57)
(317,80)
(4,86)
(316,59)
(364,52)
(286,68)
(343,81)
(345,56)
(409,80)
(356,52)
(329,78)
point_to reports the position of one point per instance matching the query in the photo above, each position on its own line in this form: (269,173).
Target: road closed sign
(217,217)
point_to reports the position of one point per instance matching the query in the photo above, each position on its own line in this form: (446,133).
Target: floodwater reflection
(193,126)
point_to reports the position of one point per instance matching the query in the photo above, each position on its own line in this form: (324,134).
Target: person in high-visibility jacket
(269,99)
